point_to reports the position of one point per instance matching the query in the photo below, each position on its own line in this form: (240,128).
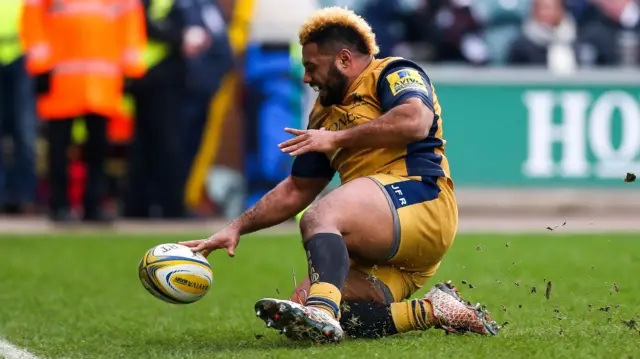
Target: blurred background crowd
(172,109)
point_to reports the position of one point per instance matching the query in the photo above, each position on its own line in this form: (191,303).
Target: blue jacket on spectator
(205,71)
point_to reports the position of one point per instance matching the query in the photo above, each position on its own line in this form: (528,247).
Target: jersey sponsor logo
(342,121)
(406,79)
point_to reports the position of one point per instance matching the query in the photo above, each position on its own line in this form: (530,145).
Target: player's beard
(334,90)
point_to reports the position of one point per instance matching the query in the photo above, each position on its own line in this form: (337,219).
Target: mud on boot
(457,316)
(299,322)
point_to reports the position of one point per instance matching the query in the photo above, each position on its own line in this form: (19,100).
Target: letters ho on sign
(595,136)
(522,134)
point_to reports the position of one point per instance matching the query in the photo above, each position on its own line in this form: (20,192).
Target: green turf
(79,297)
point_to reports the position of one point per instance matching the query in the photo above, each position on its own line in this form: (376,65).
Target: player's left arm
(406,96)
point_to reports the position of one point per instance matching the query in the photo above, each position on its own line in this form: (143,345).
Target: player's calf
(328,261)
(317,319)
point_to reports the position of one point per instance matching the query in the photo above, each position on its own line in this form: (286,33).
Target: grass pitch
(73,296)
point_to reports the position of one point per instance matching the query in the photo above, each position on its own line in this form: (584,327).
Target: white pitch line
(10,351)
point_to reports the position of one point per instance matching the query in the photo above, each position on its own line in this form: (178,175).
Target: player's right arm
(287,199)
(310,174)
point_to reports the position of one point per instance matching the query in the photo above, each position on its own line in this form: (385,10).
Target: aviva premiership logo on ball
(405,79)
(190,283)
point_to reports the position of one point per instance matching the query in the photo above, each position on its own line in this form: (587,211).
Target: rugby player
(379,237)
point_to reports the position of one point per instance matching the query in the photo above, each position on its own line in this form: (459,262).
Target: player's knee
(309,223)
(316,220)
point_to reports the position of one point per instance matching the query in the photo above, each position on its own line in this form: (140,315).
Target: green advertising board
(515,128)
(526,128)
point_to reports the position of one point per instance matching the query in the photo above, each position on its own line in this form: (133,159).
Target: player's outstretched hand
(309,141)
(227,238)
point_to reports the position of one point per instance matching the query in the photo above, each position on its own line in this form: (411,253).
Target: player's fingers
(231,250)
(208,246)
(214,244)
(199,247)
(294,131)
(307,147)
(296,147)
(192,244)
(293,141)
(206,253)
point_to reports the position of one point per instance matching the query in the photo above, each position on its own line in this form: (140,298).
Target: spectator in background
(355,5)
(456,33)
(614,25)
(156,176)
(385,19)
(17,115)
(403,28)
(501,21)
(205,71)
(547,38)
(80,51)
(550,37)
(427,30)
(271,91)
(576,7)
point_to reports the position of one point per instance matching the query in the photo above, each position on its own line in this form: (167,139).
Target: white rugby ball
(173,273)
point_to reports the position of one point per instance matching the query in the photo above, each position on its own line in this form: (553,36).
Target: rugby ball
(173,273)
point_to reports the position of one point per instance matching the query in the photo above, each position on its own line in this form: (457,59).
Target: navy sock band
(328,259)
(367,319)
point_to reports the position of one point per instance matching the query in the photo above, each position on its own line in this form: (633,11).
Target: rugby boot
(455,316)
(299,322)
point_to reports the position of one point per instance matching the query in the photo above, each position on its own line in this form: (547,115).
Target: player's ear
(344,58)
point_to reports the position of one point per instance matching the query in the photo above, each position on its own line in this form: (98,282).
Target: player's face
(548,12)
(323,75)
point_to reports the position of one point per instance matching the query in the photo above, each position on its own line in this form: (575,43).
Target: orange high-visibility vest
(89,46)
(120,127)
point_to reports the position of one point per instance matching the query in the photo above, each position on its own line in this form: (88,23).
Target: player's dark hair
(333,38)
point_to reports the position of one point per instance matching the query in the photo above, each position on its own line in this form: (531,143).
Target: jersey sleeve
(312,165)
(397,83)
